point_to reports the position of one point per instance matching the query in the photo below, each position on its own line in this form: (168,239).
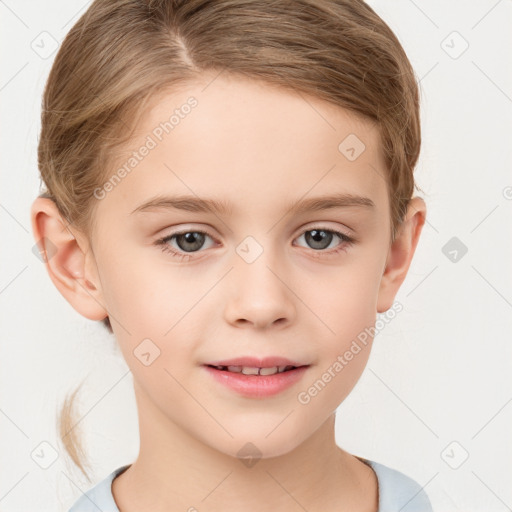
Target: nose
(259,294)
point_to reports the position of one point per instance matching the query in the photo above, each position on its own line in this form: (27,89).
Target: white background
(439,372)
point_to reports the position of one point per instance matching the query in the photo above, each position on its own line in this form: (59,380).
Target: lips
(256,382)
(256,362)
(246,365)
(249,370)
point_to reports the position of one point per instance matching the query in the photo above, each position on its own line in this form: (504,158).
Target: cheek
(344,302)
(140,296)
(153,311)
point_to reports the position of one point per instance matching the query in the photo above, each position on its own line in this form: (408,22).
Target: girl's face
(269,276)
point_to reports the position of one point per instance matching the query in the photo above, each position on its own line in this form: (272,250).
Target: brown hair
(120,53)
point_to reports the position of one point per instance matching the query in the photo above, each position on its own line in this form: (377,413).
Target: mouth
(257,382)
(255,370)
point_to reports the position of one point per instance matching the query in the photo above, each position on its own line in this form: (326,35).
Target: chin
(252,447)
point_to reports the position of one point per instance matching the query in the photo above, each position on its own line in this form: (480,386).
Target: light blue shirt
(397,492)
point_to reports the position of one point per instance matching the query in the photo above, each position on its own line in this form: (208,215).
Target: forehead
(249,144)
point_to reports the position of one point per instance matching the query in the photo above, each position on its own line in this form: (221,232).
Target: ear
(400,253)
(68,259)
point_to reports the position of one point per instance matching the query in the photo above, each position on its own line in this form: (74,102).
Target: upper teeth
(248,370)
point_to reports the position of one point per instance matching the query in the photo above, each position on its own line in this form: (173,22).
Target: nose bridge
(258,259)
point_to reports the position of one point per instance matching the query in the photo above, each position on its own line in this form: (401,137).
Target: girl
(229,189)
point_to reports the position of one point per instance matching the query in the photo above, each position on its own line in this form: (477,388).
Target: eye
(190,241)
(320,238)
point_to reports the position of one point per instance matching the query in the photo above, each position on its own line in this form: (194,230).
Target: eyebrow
(203,205)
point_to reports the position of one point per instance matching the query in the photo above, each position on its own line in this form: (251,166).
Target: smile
(249,370)
(256,382)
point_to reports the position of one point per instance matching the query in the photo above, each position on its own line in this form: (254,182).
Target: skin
(272,147)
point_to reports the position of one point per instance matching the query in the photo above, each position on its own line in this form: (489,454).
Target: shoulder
(100,496)
(397,491)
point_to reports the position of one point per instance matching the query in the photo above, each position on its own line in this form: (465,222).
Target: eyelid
(346,230)
(182,231)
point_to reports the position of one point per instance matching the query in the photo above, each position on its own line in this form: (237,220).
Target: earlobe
(65,260)
(401,253)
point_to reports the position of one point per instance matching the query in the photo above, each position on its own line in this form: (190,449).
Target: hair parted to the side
(120,53)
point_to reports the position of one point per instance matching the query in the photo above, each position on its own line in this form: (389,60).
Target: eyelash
(346,242)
